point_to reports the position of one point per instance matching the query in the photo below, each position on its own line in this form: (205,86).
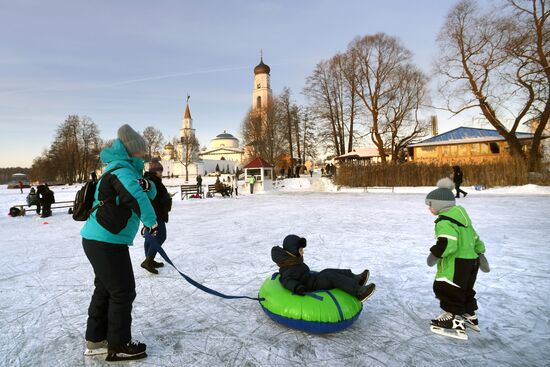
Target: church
(224,151)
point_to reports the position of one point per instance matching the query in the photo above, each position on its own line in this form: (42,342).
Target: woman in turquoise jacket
(106,236)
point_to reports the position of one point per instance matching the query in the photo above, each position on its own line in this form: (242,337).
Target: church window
(259,102)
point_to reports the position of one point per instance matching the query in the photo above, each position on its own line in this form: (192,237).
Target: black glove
(151,230)
(432,259)
(301,290)
(484,264)
(145,184)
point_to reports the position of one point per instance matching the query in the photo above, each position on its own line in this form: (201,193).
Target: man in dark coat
(46,199)
(199,184)
(457,179)
(296,276)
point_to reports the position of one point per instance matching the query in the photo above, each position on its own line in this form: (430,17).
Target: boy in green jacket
(458,254)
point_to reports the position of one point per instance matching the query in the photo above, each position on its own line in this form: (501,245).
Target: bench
(188,190)
(57,205)
(212,190)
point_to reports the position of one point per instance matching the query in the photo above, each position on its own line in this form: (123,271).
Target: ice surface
(46,281)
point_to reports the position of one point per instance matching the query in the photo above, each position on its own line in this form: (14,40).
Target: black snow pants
(461,299)
(110,311)
(343,279)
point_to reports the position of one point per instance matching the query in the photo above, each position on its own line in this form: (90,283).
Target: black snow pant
(343,279)
(459,190)
(461,299)
(110,311)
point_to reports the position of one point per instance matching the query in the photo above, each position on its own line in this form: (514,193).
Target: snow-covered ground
(46,281)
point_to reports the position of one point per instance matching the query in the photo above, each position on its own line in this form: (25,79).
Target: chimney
(433,120)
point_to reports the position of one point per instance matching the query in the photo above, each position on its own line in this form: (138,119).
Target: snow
(46,281)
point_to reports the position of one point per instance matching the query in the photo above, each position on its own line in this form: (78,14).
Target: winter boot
(125,352)
(95,348)
(471,321)
(147,264)
(363,278)
(450,325)
(157,264)
(365,292)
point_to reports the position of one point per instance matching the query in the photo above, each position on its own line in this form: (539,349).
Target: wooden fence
(489,174)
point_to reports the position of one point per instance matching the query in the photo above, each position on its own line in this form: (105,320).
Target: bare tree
(332,101)
(391,90)
(261,131)
(497,62)
(154,140)
(186,149)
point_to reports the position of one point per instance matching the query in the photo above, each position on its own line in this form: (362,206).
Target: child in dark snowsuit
(162,203)
(458,254)
(296,276)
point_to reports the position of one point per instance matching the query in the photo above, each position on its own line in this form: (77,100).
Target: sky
(136,61)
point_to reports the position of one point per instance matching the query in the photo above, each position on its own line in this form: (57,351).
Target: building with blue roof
(464,144)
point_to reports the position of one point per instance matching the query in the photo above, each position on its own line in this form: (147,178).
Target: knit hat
(155,166)
(132,141)
(293,243)
(443,196)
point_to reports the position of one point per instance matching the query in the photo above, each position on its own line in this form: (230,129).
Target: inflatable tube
(325,311)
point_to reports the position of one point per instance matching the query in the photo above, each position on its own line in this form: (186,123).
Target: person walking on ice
(106,236)
(458,254)
(251,182)
(297,278)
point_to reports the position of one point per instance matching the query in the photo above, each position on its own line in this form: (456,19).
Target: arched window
(258,102)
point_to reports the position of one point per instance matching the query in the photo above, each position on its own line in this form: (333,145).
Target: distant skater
(457,179)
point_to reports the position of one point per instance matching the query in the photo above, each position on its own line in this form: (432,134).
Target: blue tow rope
(203,288)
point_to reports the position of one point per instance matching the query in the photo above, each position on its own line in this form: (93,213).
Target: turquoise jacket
(118,220)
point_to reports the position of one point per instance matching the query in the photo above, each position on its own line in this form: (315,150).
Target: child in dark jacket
(162,203)
(296,276)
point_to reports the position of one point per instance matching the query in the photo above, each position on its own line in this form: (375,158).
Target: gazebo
(262,170)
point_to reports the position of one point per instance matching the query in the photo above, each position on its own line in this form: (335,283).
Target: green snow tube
(324,311)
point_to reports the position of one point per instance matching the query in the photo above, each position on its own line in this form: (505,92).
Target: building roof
(360,153)
(187,114)
(258,162)
(462,135)
(222,151)
(261,68)
(225,135)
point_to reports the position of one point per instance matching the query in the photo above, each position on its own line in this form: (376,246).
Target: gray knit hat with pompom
(442,197)
(132,141)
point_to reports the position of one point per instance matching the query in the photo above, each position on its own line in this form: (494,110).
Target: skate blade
(451,333)
(472,326)
(95,352)
(118,357)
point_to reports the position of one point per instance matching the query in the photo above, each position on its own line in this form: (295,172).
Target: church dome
(225,140)
(261,68)
(168,146)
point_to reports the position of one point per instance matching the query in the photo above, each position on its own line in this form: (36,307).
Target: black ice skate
(126,352)
(449,325)
(95,348)
(471,321)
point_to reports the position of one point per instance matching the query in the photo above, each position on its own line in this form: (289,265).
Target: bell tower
(261,95)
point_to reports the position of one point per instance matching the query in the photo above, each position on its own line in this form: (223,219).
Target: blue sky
(135,61)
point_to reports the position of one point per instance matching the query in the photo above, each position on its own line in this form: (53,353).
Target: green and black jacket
(456,239)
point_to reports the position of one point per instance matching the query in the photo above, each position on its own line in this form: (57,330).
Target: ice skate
(449,325)
(471,321)
(126,352)
(95,348)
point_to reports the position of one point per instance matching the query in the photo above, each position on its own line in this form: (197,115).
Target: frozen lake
(46,281)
